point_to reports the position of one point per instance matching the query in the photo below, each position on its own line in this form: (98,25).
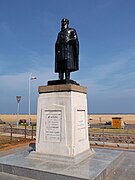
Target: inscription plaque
(80,119)
(53,125)
(81,124)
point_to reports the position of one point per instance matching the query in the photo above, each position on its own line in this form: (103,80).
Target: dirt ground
(9,146)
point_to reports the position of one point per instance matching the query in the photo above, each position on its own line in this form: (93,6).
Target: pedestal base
(62,159)
(62,124)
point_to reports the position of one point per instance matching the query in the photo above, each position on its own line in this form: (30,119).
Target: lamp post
(30,78)
(18,98)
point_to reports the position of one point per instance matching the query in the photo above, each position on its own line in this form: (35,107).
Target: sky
(106,31)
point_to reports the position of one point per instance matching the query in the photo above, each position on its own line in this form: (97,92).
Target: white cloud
(20,80)
(17,84)
(116,73)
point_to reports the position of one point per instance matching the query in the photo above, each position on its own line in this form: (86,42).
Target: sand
(96,118)
(102,118)
(12,118)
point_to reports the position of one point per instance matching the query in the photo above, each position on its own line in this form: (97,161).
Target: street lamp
(18,98)
(30,78)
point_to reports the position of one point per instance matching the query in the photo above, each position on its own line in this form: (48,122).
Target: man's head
(64,23)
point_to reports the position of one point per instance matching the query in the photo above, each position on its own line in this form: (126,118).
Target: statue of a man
(66,51)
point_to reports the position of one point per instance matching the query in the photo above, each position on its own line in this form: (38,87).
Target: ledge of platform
(62,88)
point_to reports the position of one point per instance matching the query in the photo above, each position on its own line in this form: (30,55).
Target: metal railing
(102,137)
(23,131)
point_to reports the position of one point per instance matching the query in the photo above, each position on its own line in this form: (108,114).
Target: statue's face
(64,24)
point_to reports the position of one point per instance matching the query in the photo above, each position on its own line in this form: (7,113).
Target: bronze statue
(66,51)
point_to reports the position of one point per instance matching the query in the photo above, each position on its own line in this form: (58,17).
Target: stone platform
(95,167)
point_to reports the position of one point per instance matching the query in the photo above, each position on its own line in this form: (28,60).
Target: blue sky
(106,30)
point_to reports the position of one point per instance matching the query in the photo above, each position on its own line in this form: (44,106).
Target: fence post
(32,133)
(11,132)
(128,138)
(25,132)
(103,137)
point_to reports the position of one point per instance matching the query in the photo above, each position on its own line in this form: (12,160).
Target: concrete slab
(6,176)
(125,169)
(95,167)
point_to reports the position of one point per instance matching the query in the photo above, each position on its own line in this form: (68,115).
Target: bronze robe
(67,51)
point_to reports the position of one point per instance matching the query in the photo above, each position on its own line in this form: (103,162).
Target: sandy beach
(96,118)
(12,118)
(102,118)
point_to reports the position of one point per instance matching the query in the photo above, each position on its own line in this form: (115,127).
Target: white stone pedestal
(62,125)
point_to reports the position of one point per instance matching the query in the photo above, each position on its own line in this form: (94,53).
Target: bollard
(11,132)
